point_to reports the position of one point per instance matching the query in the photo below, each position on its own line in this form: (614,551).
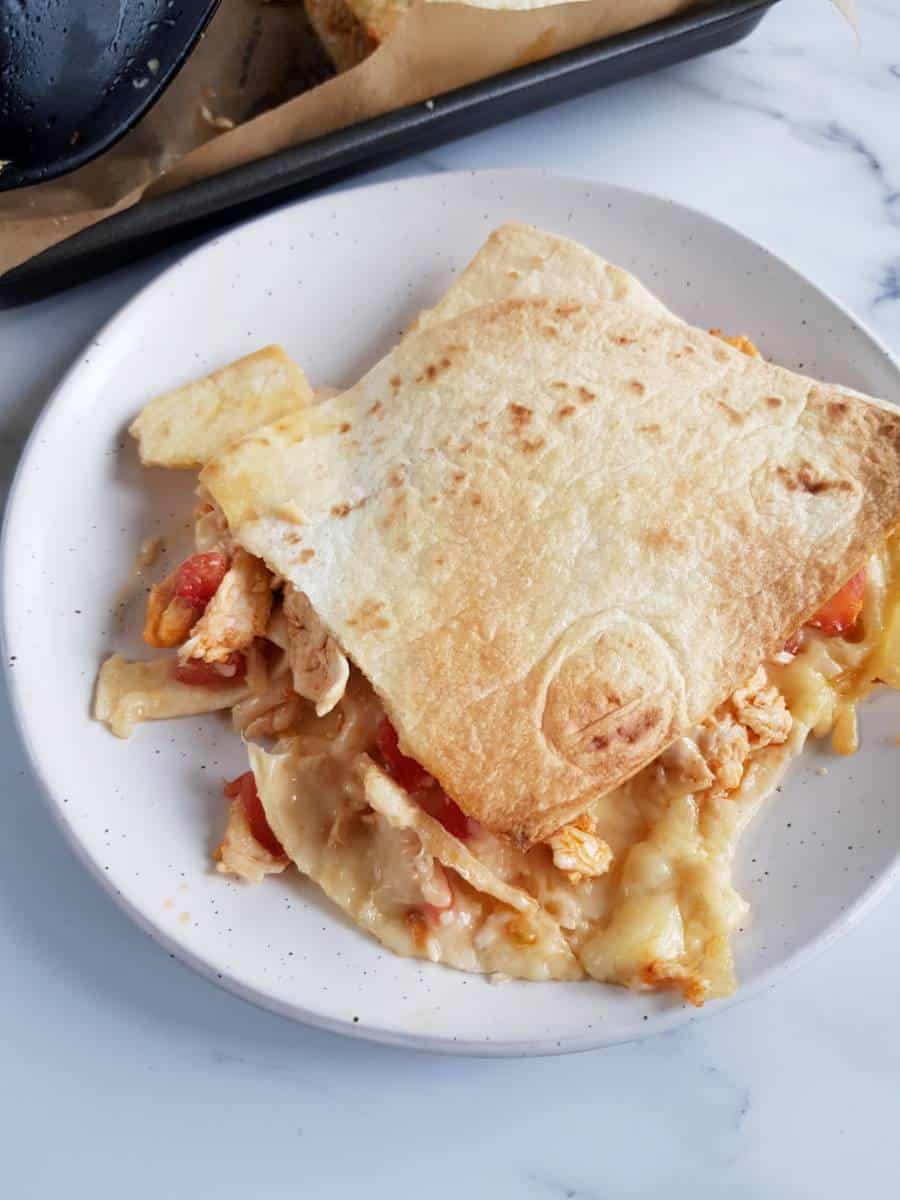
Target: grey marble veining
(124,1073)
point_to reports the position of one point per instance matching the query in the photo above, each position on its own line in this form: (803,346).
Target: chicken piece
(760,707)
(169,617)
(725,746)
(578,851)
(754,716)
(690,982)
(318,665)
(237,613)
(241,854)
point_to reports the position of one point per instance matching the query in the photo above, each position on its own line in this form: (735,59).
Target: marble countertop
(124,1073)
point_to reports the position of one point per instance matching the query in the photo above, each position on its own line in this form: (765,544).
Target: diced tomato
(204,674)
(413,777)
(409,774)
(244,788)
(198,577)
(438,804)
(842,611)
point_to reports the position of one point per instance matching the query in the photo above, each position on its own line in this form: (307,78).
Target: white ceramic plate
(335,280)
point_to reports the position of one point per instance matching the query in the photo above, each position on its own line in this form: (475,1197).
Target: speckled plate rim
(15,520)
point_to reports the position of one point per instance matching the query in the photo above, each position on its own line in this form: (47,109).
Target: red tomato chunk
(198,578)
(413,777)
(438,804)
(842,611)
(244,789)
(408,773)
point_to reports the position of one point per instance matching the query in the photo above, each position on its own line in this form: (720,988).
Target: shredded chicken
(687,980)
(241,854)
(237,613)
(761,708)
(318,665)
(684,761)
(725,746)
(754,716)
(578,851)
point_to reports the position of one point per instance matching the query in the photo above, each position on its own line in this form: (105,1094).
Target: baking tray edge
(233,195)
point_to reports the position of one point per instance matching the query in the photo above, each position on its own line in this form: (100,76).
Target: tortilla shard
(131,692)
(189,425)
(555,535)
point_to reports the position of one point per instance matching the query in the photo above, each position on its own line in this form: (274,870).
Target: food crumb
(821,770)
(216,121)
(149,551)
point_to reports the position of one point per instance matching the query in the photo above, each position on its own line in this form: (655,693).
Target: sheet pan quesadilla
(523,628)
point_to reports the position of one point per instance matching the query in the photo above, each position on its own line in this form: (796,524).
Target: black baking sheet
(158,222)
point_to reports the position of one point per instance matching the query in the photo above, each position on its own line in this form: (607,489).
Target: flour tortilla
(187,426)
(555,535)
(520,262)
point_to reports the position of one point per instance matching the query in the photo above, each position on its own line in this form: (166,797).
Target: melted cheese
(824,683)
(130,692)
(390,866)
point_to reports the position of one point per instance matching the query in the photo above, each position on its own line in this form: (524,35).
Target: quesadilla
(527,624)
